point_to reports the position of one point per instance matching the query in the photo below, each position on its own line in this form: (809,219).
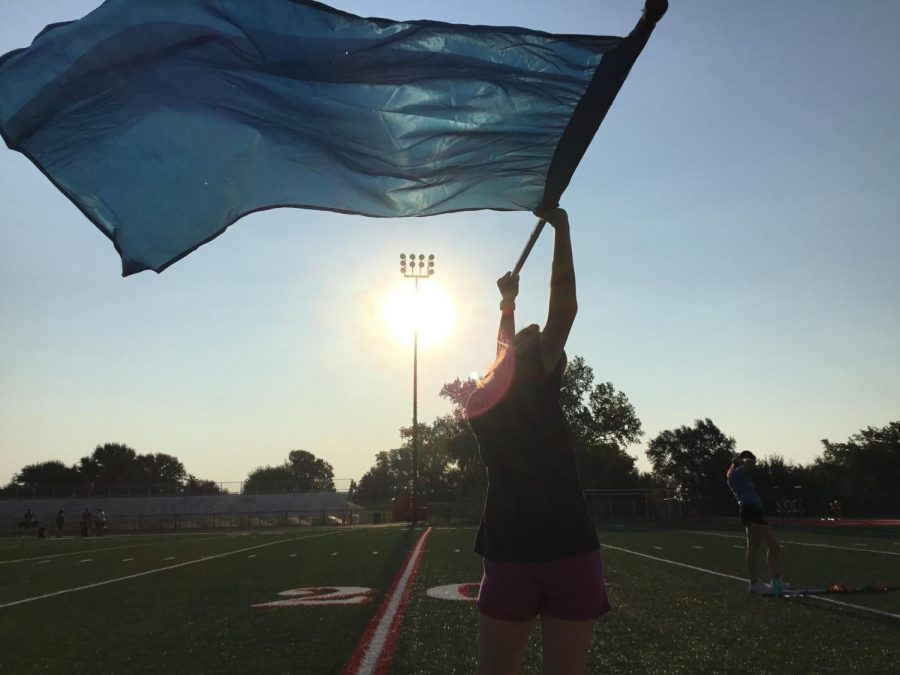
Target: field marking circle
(466,592)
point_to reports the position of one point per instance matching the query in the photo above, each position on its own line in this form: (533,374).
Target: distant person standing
(60,522)
(100,523)
(85,522)
(758,530)
(27,521)
(836,510)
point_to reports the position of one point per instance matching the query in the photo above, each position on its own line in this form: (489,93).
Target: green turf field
(184,603)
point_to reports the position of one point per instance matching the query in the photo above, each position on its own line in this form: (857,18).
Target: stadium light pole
(415,267)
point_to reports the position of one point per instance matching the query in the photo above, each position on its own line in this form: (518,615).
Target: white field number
(323,595)
(318,596)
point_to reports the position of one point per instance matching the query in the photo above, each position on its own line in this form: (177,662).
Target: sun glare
(429,309)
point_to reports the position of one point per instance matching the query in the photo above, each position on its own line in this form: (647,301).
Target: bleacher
(183,512)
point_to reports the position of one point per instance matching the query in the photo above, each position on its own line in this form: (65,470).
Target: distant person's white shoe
(759,587)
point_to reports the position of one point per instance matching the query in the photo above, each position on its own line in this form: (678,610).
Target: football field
(392,599)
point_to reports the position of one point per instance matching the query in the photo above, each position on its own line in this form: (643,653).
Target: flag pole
(530,245)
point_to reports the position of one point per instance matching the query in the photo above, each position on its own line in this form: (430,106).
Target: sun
(428,309)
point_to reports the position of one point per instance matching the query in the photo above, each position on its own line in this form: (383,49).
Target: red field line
(858,522)
(375,649)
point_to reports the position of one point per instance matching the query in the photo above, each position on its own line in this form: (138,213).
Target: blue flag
(166,121)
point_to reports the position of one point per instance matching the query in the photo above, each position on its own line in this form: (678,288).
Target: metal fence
(96,491)
(196,522)
(632,504)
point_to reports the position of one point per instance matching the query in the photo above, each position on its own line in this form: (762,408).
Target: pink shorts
(570,588)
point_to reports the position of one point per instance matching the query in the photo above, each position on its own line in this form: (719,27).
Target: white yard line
(880,612)
(731,576)
(673,562)
(161,569)
(60,555)
(99,549)
(798,543)
(378,645)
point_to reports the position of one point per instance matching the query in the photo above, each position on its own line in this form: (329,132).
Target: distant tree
(269,479)
(464,476)
(864,470)
(438,470)
(50,473)
(603,423)
(777,479)
(311,473)
(159,468)
(380,483)
(576,386)
(302,472)
(433,457)
(111,463)
(613,420)
(198,486)
(458,392)
(692,461)
(870,458)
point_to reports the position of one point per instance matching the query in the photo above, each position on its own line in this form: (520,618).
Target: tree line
(116,469)
(687,462)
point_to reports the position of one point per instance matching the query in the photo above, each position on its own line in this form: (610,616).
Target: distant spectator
(836,509)
(41,530)
(60,522)
(100,523)
(27,522)
(85,522)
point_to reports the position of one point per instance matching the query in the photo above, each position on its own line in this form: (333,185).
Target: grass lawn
(184,603)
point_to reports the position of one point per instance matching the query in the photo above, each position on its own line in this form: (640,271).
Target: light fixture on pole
(416,267)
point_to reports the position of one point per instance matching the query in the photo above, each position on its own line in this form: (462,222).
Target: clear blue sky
(736,237)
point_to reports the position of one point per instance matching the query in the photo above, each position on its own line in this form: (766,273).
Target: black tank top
(535,510)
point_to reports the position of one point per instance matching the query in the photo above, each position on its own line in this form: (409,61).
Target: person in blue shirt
(753,518)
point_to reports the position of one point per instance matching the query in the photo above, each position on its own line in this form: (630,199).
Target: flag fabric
(166,121)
